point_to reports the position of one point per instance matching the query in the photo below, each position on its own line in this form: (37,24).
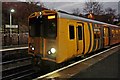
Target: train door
(106,36)
(79,38)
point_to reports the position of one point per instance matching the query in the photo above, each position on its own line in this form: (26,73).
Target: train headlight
(33,48)
(53,50)
(49,52)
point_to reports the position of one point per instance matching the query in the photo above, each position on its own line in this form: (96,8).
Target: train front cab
(54,38)
(43,35)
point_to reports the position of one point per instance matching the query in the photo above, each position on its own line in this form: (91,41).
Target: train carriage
(57,36)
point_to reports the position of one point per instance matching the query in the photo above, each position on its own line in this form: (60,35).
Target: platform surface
(106,68)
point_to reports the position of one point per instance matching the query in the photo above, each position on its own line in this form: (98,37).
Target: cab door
(79,38)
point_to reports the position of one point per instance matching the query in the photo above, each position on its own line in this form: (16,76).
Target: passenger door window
(79,32)
(71,32)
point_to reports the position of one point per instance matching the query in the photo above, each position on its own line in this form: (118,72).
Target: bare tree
(119,16)
(93,7)
(110,11)
(76,11)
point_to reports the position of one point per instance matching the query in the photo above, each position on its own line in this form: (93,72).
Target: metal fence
(14,39)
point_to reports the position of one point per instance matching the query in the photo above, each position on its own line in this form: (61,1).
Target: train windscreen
(50,28)
(43,27)
(35,27)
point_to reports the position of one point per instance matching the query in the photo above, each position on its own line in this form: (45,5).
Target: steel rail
(12,61)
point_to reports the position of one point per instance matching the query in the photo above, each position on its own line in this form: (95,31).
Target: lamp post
(11,11)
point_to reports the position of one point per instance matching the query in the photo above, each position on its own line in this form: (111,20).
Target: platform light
(11,11)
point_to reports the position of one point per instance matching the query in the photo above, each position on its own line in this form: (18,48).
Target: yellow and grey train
(56,36)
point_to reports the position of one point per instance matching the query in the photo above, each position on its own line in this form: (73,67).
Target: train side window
(113,33)
(97,33)
(116,32)
(119,31)
(80,32)
(71,31)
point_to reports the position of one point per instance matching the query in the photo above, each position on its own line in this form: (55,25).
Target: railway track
(16,72)
(16,63)
(13,53)
(16,68)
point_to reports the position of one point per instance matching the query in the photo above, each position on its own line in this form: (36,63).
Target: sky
(69,5)
(71,0)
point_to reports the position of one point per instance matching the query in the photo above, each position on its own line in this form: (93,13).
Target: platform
(106,68)
(14,46)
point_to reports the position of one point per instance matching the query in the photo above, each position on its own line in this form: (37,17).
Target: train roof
(70,16)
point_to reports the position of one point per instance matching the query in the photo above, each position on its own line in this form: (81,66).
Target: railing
(14,39)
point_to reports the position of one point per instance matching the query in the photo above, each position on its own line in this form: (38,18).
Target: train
(57,36)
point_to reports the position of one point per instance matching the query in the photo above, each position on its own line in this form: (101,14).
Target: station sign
(12,26)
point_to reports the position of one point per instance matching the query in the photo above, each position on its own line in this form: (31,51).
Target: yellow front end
(43,35)
(44,48)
